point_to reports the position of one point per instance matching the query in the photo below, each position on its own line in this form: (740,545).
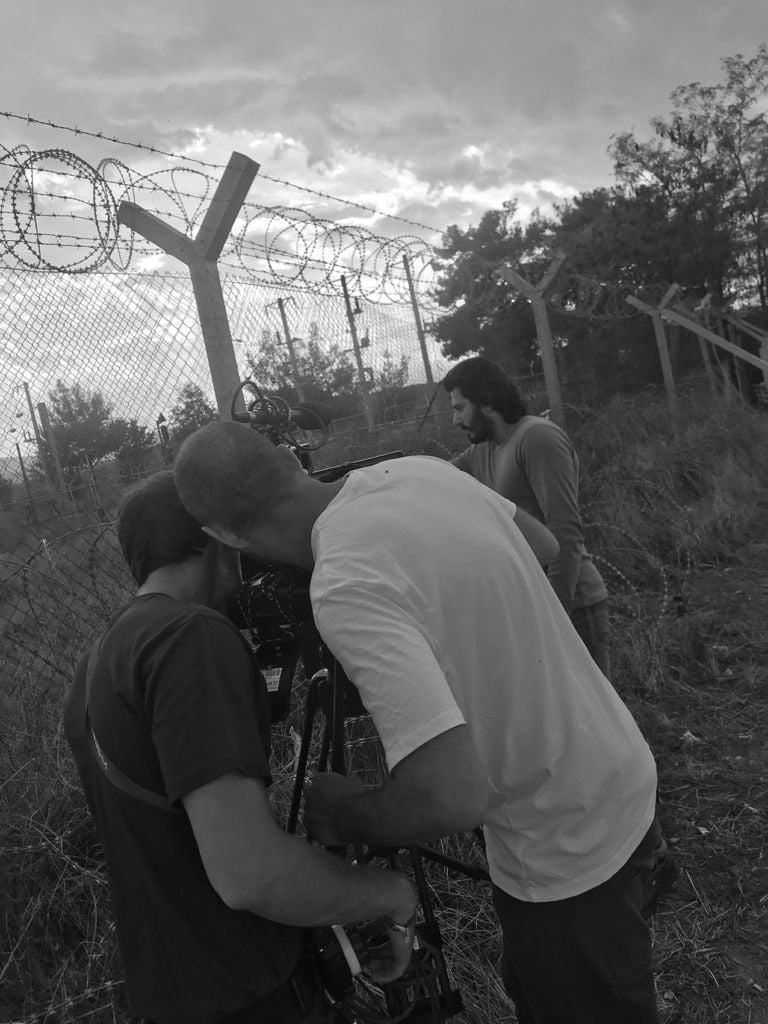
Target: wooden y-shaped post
(200,255)
(746,328)
(673,317)
(537,295)
(661,341)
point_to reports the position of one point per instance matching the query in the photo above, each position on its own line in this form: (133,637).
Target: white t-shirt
(427,594)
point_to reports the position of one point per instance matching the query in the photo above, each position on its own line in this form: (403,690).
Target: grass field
(679,521)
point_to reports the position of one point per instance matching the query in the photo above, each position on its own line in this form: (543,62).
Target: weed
(674,517)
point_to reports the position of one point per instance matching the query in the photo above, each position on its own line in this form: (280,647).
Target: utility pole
(41,450)
(27,488)
(291,351)
(53,462)
(357,353)
(419,325)
(34,420)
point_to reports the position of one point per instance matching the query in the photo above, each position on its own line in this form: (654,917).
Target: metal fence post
(419,325)
(364,393)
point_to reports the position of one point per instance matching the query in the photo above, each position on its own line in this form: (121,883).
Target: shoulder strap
(118,779)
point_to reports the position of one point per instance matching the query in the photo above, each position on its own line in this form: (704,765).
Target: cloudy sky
(429,110)
(434,110)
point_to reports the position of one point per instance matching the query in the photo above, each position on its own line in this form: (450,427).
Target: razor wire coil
(58,213)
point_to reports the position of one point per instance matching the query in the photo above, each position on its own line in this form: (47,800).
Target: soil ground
(709,731)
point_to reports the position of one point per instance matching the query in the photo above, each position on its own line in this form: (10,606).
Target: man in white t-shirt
(489,709)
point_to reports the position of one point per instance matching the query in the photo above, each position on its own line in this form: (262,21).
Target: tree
(709,161)
(6,490)
(326,373)
(132,455)
(689,207)
(632,240)
(388,384)
(488,315)
(83,427)
(392,376)
(192,410)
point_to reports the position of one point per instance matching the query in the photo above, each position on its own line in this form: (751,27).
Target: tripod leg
(432,932)
(310,709)
(325,747)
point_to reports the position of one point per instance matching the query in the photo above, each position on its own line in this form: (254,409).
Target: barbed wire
(288,245)
(42,191)
(73,129)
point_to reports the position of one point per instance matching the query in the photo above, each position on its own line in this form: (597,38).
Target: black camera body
(272,604)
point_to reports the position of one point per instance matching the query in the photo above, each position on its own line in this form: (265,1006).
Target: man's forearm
(388,817)
(253,865)
(439,789)
(311,887)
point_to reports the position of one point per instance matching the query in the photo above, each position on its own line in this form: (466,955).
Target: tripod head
(273,417)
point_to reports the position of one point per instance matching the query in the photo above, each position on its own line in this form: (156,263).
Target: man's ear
(225,536)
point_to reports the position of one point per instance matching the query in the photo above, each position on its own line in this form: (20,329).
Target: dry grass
(681,535)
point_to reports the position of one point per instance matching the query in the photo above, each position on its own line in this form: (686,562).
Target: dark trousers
(300,1000)
(592,625)
(583,960)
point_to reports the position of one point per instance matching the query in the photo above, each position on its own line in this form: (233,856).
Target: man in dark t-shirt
(211,899)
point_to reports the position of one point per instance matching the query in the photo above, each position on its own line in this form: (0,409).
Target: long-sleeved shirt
(537,467)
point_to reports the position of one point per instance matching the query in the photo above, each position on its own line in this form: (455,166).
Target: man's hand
(391,959)
(325,797)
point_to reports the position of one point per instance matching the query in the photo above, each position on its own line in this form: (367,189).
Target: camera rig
(273,606)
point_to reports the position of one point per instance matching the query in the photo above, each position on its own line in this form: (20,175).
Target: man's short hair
(154,528)
(231,476)
(483,382)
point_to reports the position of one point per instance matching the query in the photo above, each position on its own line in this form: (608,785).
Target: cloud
(491,97)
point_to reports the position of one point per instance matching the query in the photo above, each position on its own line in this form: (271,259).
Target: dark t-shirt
(176,702)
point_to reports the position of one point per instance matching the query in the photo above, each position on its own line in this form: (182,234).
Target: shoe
(657,882)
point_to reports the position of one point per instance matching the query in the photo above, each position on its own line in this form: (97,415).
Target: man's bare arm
(253,865)
(440,789)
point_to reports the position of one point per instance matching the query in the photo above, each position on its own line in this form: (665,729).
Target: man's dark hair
(483,382)
(154,528)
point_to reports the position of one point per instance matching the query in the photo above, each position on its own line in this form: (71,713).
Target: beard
(479,428)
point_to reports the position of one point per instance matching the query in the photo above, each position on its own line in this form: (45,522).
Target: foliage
(191,411)
(689,207)
(667,514)
(466,270)
(137,444)
(388,384)
(6,490)
(84,429)
(708,164)
(326,372)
